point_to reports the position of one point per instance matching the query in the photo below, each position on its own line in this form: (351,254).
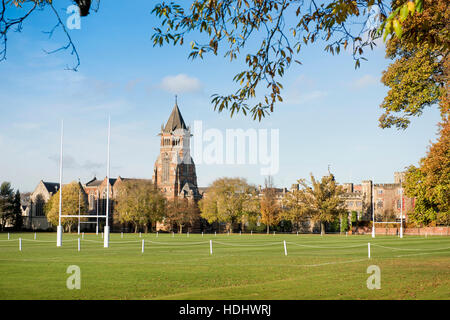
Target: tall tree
(322,200)
(181,212)
(17,212)
(251,211)
(6,204)
(270,208)
(419,76)
(139,203)
(293,208)
(74,202)
(429,183)
(226,201)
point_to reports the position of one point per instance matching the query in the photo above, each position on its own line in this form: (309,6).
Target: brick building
(174,171)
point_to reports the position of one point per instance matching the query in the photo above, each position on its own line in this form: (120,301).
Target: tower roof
(175,120)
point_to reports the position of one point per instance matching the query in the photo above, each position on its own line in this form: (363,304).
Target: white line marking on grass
(412,249)
(418,254)
(327,263)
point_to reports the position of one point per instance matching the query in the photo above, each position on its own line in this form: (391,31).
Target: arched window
(40,203)
(166,168)
(91,201)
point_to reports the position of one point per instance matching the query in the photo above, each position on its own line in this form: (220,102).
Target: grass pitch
(241,267)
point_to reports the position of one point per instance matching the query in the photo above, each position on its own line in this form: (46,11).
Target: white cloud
(297,98)
(71,163)
(26,125)
(365,81)
(181,83)
(130,85)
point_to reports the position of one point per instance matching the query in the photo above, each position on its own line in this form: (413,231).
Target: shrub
(344,224)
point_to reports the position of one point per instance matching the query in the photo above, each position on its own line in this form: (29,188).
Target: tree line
(233,200)
(229,201)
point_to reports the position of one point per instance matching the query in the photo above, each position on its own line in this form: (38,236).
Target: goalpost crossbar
(387,222)
(81,216)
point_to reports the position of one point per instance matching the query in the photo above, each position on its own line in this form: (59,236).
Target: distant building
(386,201)
(33,212)
(174,174)
(174,171)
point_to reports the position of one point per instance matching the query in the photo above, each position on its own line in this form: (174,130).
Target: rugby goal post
(79,216)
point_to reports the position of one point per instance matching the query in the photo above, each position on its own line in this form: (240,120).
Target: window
(40,203)
(91,201)
(380,191)
(165,168)
(380,204)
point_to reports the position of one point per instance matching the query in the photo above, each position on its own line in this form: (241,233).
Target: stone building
(174,174)
(33,213)
(386,201)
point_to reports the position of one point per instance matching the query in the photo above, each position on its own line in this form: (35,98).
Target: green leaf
(404,12)
(419,5)
(397,28)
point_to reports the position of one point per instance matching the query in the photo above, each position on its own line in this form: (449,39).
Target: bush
(344,224)
(354,217)
(252,226)
(284,226)
(334,226)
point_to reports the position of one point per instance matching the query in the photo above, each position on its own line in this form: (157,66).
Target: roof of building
(94,182)
(175,120)
(51,186)
(135,179)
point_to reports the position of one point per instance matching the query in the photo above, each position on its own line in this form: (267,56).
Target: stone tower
(174,171)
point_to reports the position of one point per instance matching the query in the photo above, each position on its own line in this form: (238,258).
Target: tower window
(165,168)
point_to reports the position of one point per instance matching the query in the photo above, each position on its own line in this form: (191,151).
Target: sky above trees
(329,115)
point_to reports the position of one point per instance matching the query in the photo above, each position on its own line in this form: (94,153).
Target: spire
(175,120)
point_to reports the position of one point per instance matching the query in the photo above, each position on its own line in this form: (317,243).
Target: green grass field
(241,267)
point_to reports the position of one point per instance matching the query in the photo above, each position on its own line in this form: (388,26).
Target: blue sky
(329,117)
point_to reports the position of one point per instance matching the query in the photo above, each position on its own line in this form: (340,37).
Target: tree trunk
(181,229)
(322,228)
(268,229)
(136,228)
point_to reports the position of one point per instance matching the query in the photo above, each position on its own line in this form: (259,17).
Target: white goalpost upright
(373,208)
(105,233)
(400,229)
(79,207)
(401,209)
(106,229)
(96,227)
(59,228)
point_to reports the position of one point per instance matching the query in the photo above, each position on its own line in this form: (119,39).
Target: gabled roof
(175,120)
(94,182)
(52,187)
